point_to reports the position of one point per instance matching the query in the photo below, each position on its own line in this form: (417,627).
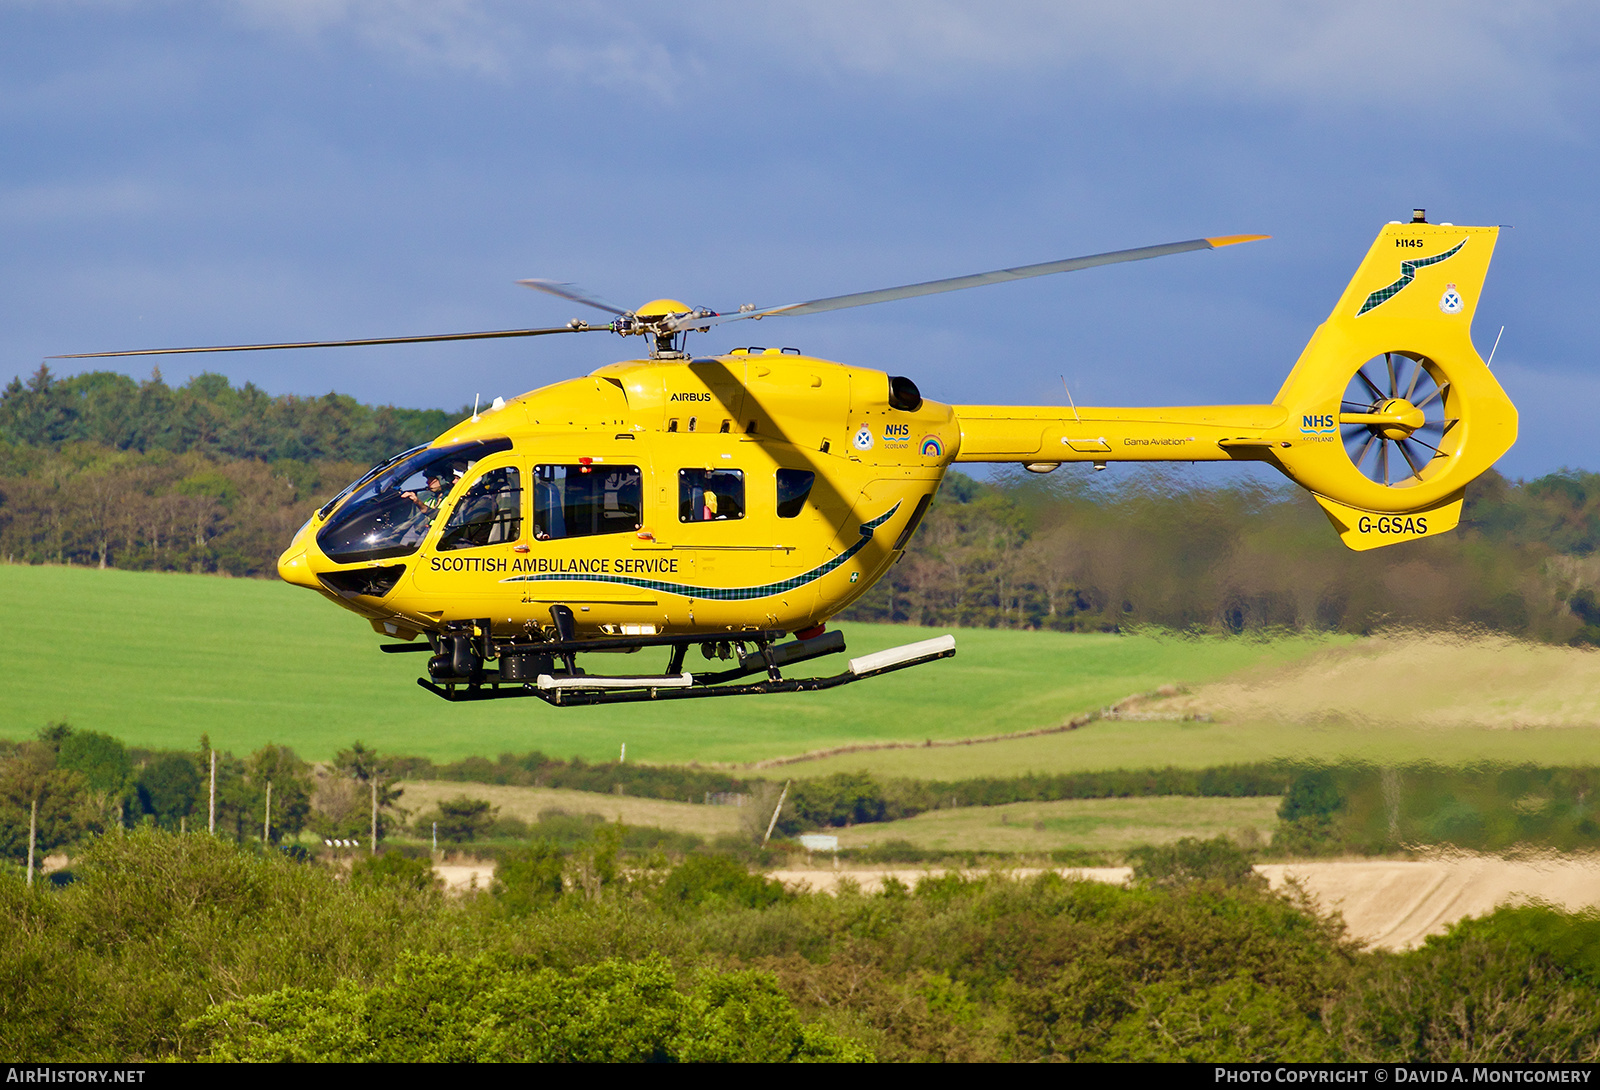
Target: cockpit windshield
(367,476)
(394,509)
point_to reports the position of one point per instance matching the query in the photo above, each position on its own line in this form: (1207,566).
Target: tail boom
(1030,435)
(1386,417)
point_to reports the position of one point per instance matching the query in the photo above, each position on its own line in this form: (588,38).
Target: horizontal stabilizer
(1363,530)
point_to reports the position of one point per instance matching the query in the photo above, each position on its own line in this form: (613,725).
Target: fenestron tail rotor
(1395,418)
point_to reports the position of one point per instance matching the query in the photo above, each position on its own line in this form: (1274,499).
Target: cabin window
(585,500)
(710,495)
(794,485)
(488,513)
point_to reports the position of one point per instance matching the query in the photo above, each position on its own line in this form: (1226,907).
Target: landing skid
(572,686)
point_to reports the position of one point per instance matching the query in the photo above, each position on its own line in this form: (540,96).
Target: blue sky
(257,170)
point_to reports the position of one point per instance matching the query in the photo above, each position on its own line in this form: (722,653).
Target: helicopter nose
(293,568)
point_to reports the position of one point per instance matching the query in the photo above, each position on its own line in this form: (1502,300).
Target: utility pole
(773,823)
(266,822)
(33,833)
(374,782)
(211,811)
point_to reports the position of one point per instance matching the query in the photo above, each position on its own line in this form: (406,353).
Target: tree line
(101,470)
(209,416)
(67,786)
(1155,547)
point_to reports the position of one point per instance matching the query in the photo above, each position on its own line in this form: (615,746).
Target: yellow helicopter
(731,501)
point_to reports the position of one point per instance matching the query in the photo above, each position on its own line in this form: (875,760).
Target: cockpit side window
(489,512)
(585,500)
(710,495)
(794,485)
(393,511)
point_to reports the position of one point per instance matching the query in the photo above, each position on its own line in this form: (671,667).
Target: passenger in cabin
(709,512)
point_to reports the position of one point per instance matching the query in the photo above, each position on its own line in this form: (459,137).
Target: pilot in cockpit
(428,500)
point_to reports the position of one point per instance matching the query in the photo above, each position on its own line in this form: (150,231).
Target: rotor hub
(661,308)
(1404,418)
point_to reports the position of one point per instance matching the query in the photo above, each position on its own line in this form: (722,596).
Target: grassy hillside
(1142,744)
(157,658)
(1095,825)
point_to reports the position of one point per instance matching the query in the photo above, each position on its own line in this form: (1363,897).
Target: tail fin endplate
(1404,321)
(1386,417)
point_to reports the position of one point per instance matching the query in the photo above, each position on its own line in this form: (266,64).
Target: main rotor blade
(957,283)
(572,292)
(489,335)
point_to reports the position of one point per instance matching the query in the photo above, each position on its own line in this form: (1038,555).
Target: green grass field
(158,658)
(1106,745)
(1096,825)
(528,803)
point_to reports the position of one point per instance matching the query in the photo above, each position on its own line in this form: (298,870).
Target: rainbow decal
(931,447)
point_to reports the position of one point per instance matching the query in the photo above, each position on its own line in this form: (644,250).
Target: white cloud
(1519,60)
(34,206)
(582,43)
(1509,61)
(452,34)
(1478,53)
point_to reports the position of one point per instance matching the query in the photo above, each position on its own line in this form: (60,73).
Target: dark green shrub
(716,880)
(507,827)
(1312,794)
(565,829)
(461,819)
(62,812)
(1193,860)
(530,877)
(102,759)
(442,1009)
(893,851)
(394,868)
(646,838)
(1521,985)
(168,787)
(844,798)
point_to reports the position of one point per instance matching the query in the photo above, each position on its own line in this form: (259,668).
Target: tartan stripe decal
(1408,273)
(718,594)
